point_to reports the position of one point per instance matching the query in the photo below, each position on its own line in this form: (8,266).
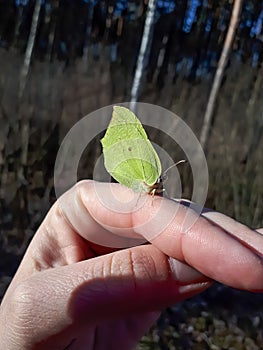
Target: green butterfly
(129,156)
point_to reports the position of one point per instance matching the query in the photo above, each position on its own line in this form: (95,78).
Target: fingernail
(184,273)
(195,287)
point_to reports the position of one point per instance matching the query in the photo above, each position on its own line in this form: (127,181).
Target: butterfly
(129,156)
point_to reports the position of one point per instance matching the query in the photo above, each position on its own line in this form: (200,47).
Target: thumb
(136,280)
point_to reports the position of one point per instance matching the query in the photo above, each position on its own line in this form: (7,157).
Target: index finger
(205,245)
(108,214)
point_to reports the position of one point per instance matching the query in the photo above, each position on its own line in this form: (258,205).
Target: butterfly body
(157,188)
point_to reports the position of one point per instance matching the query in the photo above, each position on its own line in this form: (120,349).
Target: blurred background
(60,60)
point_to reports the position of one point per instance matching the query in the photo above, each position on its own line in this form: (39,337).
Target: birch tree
(220,72)
(147,30)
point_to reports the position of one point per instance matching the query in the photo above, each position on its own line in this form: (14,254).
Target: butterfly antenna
(173,165)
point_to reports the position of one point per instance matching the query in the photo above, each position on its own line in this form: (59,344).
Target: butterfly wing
(129,156)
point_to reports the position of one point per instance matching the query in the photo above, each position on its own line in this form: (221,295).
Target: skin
(70,293)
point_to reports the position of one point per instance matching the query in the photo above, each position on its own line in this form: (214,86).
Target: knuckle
(22,299)
(82,184)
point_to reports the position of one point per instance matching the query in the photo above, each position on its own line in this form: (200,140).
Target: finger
(246,236)
(205,246)
(59,240)
(127,282)
(91,209)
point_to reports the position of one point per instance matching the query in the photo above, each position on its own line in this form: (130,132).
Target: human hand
(70,293)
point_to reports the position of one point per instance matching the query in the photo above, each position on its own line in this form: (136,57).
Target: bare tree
(23,80)
(52,18)
(143,50)
(219,73)
(88,31)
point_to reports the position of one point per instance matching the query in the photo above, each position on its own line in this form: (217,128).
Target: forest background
(61,60)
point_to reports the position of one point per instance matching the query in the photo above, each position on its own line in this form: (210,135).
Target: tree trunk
(18,22)
(53,26)
(219,73)
(88,31)
(22,84)
(145,43)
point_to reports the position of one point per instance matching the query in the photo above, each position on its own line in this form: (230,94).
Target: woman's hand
(70,293)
